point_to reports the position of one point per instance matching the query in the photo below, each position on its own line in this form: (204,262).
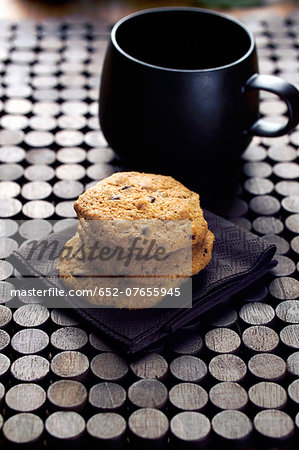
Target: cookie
(184,262)
(201,255)
(114,207)
(118,218)
(81,274)
(76,276)
(119,286)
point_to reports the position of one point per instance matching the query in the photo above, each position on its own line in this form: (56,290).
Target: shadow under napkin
(238,259)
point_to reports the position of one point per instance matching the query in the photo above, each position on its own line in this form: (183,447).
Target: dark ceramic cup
(180,93)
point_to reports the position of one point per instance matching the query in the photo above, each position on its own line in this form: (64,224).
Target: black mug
(180,93)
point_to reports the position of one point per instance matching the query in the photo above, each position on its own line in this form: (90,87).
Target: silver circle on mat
(39,138)
(38,209)
(190,427)
(69,138)
(9,207)
(39,172)
(8,227)
(107,426)
(14,121)
(11,171)
(67,395)
(46,108)
(71,122)
(18,106)
(25,397)
(65,425)
(12,154)
(74,108)
(71,155)
(23,428)
(70,172)
(42,123)
(40,156)
(9,189)
(36,190)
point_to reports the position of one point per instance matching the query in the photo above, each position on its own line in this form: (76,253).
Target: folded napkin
(238,259)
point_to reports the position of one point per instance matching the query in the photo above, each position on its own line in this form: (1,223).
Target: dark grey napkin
(238,259)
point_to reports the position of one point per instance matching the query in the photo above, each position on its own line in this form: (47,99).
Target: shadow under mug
(179,93)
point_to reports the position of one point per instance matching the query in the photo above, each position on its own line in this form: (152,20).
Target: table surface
(230,378)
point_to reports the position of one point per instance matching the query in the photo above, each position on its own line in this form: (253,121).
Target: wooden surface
(228,395)
(107,396)
(70,364)
(232,374)
(149,424)
(27,397)
(107,428)
(148,394)
(67,395)
(274,424)
(63,425)
(190,428)
(23,428)
(232,425)
(188,397)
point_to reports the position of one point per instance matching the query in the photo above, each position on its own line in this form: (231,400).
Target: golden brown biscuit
(77,274)
(179,263)
(115,211)
(118,287)
(134,196)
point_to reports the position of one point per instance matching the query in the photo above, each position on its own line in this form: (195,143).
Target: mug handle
(287,92)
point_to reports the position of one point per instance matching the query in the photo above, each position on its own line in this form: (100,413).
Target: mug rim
(182,8)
